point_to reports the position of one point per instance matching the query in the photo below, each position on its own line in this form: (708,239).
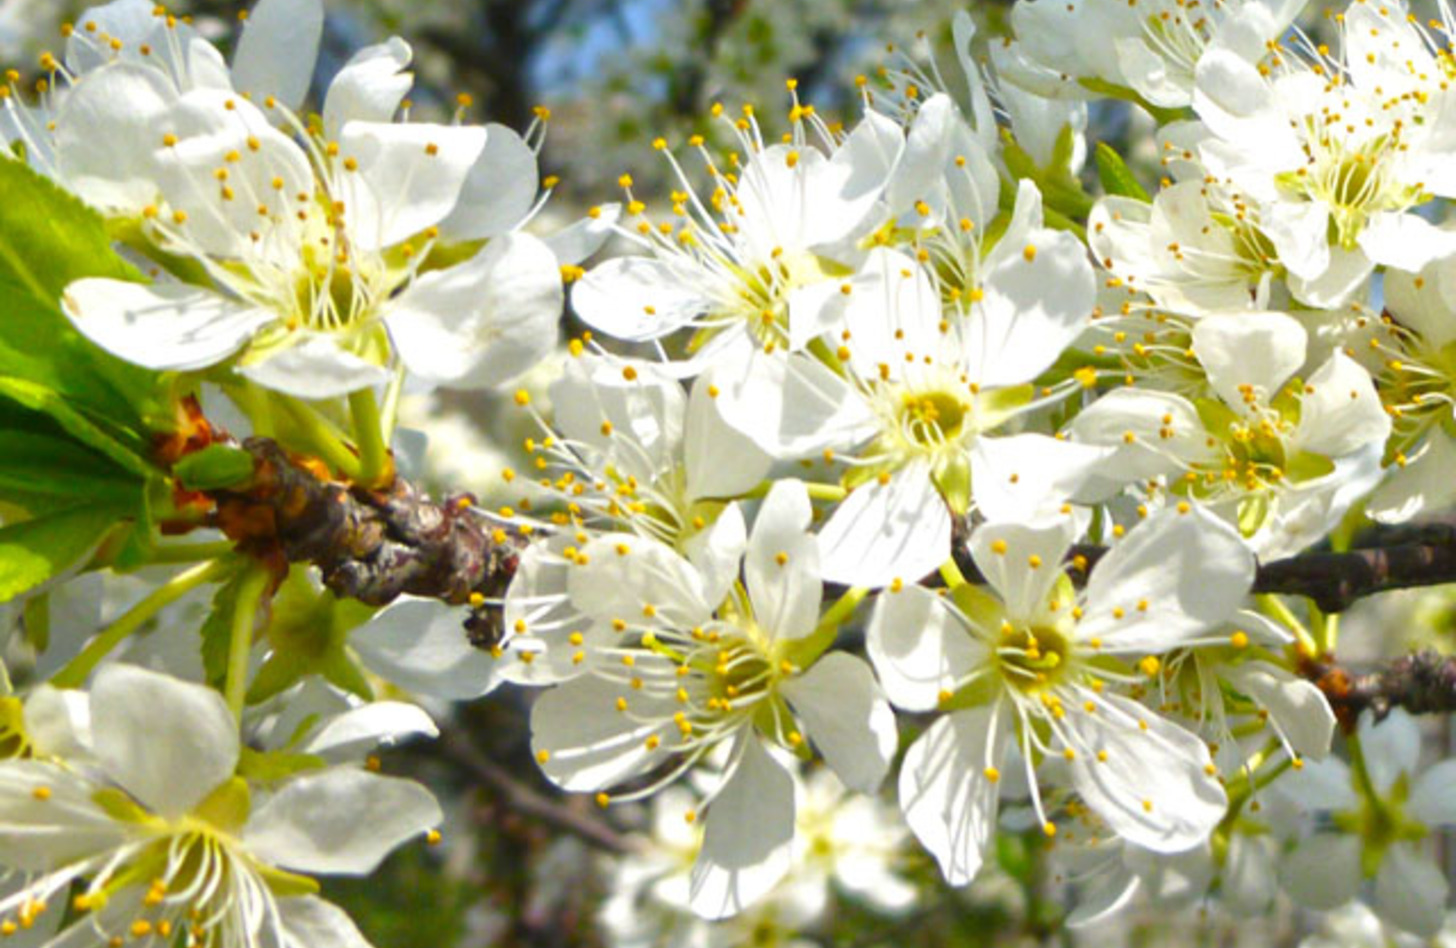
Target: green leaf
(34,551)
(39,459)
(214,467)
(49,238)
(217,631)
(1116,177)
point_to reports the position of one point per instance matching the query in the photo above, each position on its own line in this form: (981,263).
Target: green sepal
(952,478)
(273,766)
(1253,511)
(284,884)
(227,806)
(1306,466)
(122,808)
(215,467)
(1116,177)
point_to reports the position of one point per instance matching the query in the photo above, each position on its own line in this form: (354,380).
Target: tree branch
(1422,683)
(1390,558)
(370,545)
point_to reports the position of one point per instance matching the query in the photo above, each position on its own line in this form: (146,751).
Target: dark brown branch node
(370,545)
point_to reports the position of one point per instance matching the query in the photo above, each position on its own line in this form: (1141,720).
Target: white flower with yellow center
(1281,457)
(705,660)
(1150,47)
(1038,664)
(912,392)
(310,252)
(751,266)
(1416,375)
(1338,152)
(160,843)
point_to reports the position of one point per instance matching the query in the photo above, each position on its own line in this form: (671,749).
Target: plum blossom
(164,838)
(705,660)
(1031,666)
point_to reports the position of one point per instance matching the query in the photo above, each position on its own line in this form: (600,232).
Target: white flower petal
(1411,890)
(1431,800)
(1297,708)
(1341,411)
(1023,561)
(358,730)
(1027,476)
(1392,746)
(161,325)
(58,721)
(781,564)
(169,743)
(1249,881)
(639,298)
(310,922)
(721,461)
(624,573)
(339,821)
(847,718)
(499,190)
(792,407)
(945,794)
(748,836)
(107,133)
(920,647)
(1424,483)
(1258,349)
(881,532)
(1323,872)
(576,241)
(1152,787)
(276,53)
(1405,241)
(420,645)
(37,835)
(718,551)
(1035,304)
(585,742)
(370,87)
(482,322)
(1175,576)
(313,368)
(409,177)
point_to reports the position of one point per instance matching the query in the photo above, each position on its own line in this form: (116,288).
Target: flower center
(1033,659)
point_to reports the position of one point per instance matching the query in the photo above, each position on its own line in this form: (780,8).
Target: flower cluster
(888,441)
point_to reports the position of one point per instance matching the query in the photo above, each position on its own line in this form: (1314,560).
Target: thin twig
(523,799)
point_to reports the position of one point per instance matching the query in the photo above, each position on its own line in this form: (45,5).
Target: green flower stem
(191,552)
(839,613)
(392,393)
(250,596)
(76,672)
(375,466)
(322,438)
(951,573)
(1274,607)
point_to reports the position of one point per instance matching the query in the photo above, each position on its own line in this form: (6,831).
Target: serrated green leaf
(40,460)
(49,238)
(128,448)
(1117,179)
(217,631)
(214,467)
(34,551)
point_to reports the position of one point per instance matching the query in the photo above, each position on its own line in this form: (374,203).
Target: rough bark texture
(371,545)
(1422,683)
